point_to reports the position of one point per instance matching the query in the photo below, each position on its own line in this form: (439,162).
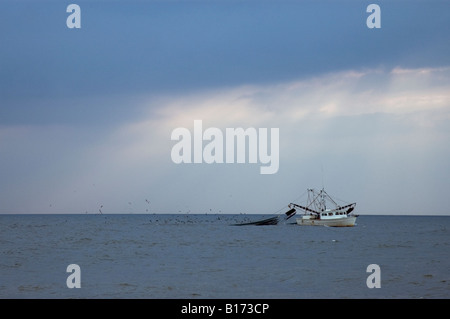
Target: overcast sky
(86,115)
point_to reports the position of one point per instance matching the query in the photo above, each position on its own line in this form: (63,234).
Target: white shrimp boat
(317,211)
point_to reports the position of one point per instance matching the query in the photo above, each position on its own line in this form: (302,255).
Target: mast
(323,204)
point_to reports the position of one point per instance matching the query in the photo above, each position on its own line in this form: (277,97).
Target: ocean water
(202,256)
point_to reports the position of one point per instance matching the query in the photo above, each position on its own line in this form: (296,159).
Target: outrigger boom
(351,207)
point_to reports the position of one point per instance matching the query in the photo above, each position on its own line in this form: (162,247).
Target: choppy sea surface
(203,256)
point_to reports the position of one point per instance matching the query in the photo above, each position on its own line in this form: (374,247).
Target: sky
(86,114)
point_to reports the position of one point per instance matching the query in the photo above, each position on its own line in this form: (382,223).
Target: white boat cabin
(332,214)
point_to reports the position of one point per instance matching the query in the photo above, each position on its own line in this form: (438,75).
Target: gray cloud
(380,142)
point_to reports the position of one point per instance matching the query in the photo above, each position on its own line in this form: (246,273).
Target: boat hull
(338,222)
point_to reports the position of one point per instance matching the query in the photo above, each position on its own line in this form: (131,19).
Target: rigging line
(314,199)
(300,196)
(287,206)
(341,200)
(329,197)
(280,210)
